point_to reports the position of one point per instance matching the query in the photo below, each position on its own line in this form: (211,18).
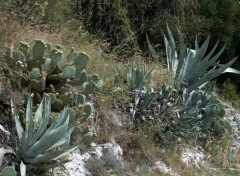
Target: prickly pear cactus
(57,59)
(46,71)
(47,64)
(8,171)
(68,72)
(71,56)
(38,50)
(81,61)
(35,73)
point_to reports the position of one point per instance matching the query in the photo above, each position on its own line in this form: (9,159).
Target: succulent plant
(81,61)
(182,109)
(183,70)
(71,56)
(38,50)
(24,47)
(35,73)
(18,56)
(138,78)
(47,64)
(68,72)
(39,142)
(176,111)
(52,74)
(56,59)
(8,171)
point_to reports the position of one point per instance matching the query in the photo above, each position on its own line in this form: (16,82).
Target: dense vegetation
(38,78)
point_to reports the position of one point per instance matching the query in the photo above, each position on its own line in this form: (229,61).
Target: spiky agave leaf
(137,78)
(41,143)
(194,68)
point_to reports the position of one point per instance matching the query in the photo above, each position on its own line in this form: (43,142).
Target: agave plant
(194,67)
(40,143)
(138,78)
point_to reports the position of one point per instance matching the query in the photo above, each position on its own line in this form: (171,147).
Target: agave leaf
(182,54)
(232,70)
(196,45)
(61,119)
(148,100)
(18,127)
(152,50)
(23,144)
(65,138)
(204,65)
(211,75)
(29,118)
(52,155)
(44,122)
(193,65)
(172,49)
(39,113)
(193,62)
(48,140)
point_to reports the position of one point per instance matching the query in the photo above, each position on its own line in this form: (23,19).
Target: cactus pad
(57,59)
(35,74)
(47,64)
(71,56)
(68,72)
(18,56)
(88,110)
(81,60)
(79,99)
(48,47)
(8,171)
(24,48)
(71,112)
(52,97)
(38,50)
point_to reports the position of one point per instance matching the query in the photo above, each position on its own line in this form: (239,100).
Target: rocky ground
(83,163)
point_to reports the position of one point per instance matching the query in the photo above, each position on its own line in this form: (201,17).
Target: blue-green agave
(42,142)
(194,67)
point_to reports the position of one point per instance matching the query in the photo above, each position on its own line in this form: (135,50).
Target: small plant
(41,145)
